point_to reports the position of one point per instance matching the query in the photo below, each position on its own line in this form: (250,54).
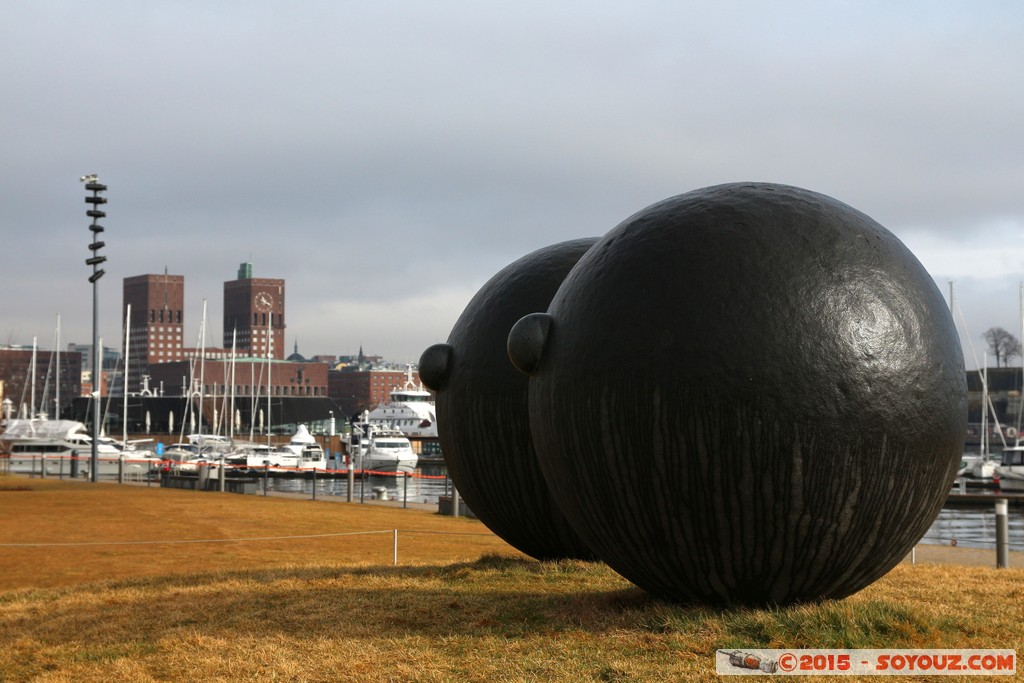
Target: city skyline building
(254,315)
(157,322)
(38,381)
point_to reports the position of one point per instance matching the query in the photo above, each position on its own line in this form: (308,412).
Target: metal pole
(351,476)
(314,483)
(405,493)
(1002,535)
(92,184)
(455,501)
(97,380)
(362,472)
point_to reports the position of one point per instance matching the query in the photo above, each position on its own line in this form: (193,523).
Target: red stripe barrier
(307,470)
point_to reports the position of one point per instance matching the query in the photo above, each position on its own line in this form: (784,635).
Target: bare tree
(1002,344)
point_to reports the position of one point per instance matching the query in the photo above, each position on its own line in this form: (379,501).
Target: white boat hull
(1011,481)
(404,465)
(1011,470)
(384,449)
(57,465)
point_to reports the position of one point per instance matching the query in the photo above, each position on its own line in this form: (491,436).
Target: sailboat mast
(202,364)
(32,394)
(984,405)
(253,393)
(124,392)
(231,403)
(269,318)
(57,382)
(97,385)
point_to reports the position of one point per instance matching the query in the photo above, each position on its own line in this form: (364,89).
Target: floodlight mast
(92,184)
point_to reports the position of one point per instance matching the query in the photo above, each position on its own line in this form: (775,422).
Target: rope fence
(65,465)
(392,532)
(353,484)
(977,543)
(213,471)
(198,475)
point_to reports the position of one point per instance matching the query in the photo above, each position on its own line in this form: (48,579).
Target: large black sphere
(749,393)
(482,417)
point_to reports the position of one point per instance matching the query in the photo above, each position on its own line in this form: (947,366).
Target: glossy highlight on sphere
(482,411)
(750,393)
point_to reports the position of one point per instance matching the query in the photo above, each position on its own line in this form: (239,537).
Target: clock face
(264,302)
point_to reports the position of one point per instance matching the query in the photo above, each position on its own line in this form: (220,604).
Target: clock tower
(254,312)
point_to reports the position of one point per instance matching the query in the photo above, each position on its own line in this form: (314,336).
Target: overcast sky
(387,158)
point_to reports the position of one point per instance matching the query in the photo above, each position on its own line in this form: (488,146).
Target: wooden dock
(989,497)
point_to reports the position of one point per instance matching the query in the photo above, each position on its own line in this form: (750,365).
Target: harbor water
(425,485)
(974,527)
(969,527)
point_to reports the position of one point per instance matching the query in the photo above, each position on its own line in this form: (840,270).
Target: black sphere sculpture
(482,416)
(747,394)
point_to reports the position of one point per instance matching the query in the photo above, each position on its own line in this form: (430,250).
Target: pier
(989,498)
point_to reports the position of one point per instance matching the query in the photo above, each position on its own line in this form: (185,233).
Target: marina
(974,527)
(967,523)
(424,486)
(967,520)
(387,468)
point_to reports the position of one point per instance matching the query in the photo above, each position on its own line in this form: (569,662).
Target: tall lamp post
(92,184)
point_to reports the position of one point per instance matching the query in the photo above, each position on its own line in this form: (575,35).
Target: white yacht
(34,443)
(383,449)
(302,452)
(250,456)
(1011,470)
(200,450)
(409,410)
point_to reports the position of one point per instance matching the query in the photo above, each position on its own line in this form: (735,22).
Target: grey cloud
(446,140)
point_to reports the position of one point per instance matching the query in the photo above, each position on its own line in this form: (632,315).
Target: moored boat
(302,452)
(249,457)
(409,409)
(380,448)
(34,444)
(1010,471)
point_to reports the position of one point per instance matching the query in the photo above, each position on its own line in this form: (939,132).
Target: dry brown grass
(54,511)
(338,615)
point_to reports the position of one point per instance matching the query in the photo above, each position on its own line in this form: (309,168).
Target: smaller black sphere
(482,411)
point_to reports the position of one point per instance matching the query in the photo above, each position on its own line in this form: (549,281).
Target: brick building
(297,391)
(254,314)
(16,373)
(357,390)
(157,322)
(250,377)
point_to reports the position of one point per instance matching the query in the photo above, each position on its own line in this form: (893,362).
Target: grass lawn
(460,606)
